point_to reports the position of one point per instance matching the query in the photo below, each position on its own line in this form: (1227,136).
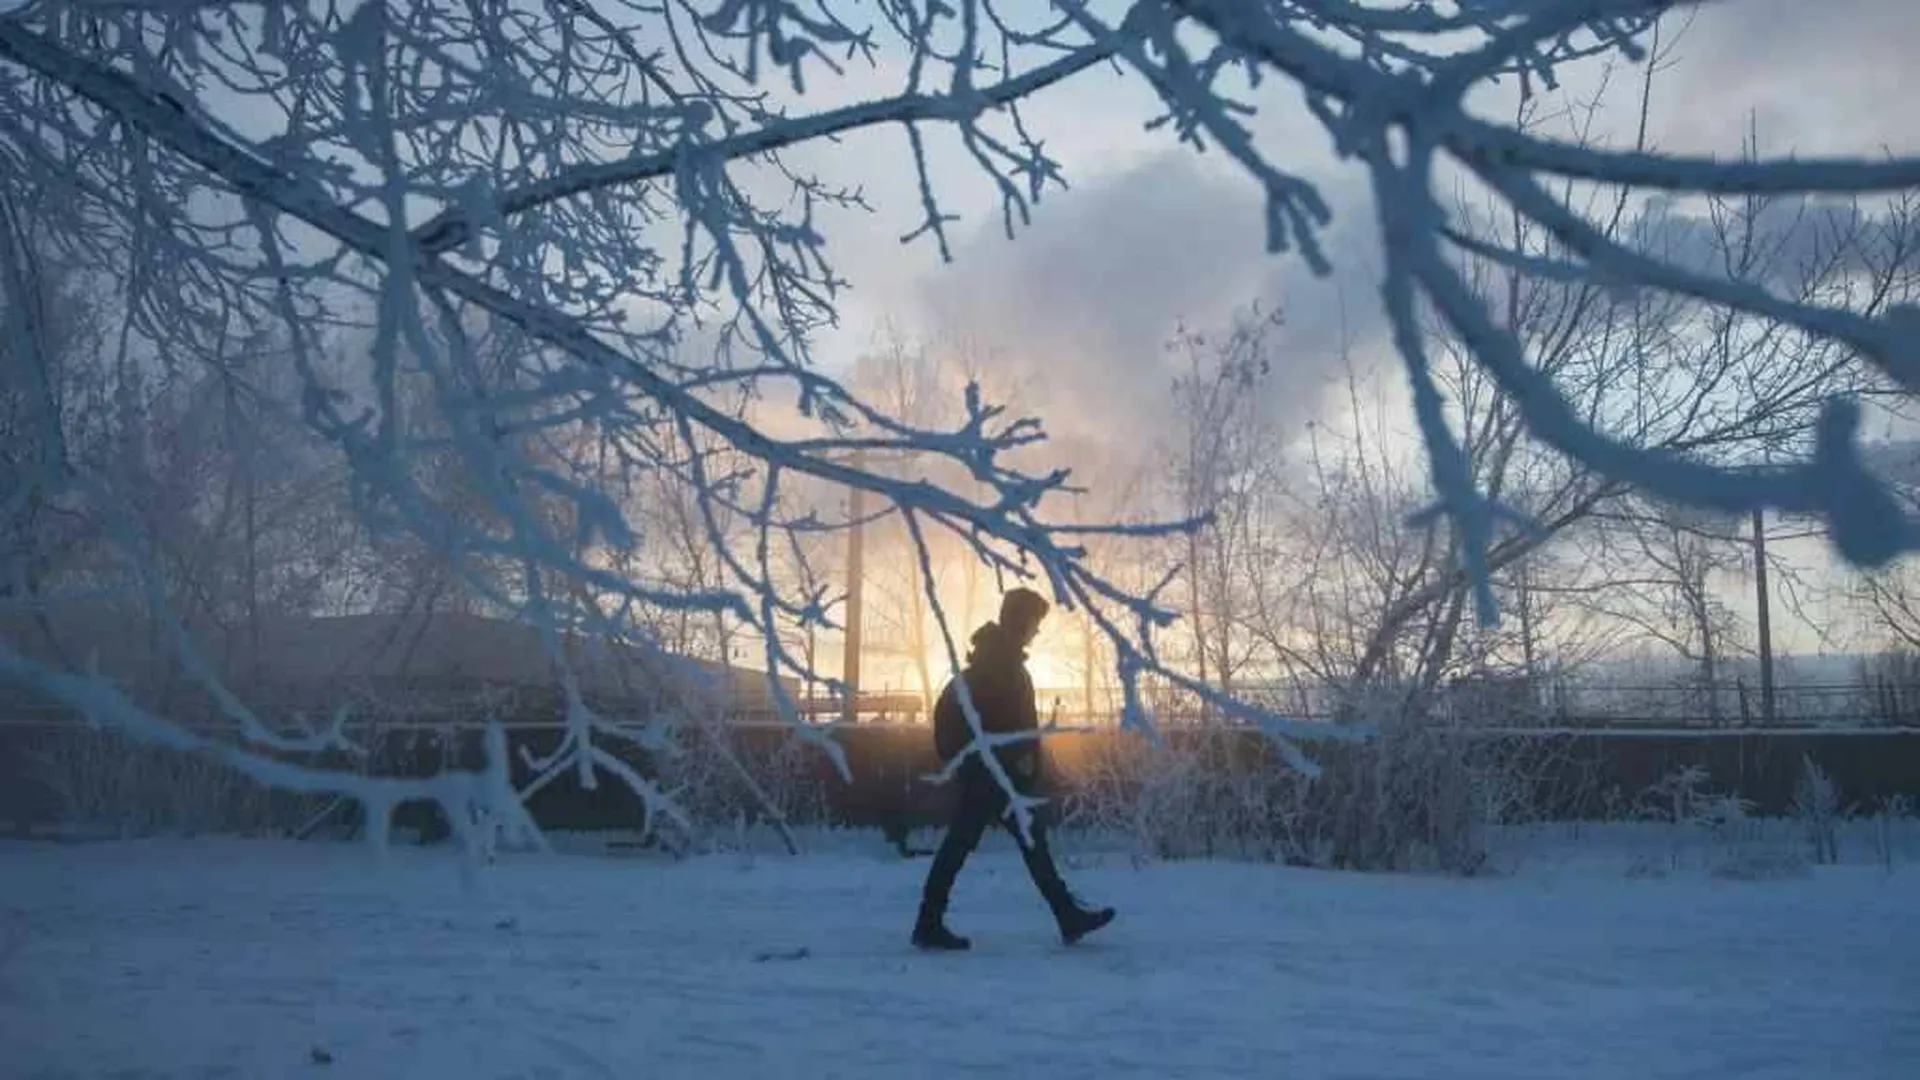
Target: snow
(260,959)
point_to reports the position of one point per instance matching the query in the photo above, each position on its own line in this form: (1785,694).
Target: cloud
(1832,77)
(1796,241)
(1087,298)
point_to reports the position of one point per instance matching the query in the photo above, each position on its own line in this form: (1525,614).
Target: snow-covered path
(247,959)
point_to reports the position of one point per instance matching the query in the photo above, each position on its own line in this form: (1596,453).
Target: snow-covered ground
(221,958)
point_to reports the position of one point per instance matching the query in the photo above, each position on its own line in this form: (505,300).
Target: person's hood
(992,643)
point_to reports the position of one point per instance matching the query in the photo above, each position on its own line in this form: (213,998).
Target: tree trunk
(1193,604)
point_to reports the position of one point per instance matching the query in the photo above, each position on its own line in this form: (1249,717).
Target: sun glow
(1051,672)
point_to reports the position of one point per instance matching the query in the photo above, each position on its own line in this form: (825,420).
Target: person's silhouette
(1002,692)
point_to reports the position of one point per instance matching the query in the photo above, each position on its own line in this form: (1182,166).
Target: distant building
(425,666)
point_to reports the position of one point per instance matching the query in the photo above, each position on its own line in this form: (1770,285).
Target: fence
(50,773)
(1561,703)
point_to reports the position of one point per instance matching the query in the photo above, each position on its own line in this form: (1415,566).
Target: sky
(1151,234)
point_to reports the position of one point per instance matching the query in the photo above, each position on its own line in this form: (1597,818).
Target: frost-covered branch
(450,230)
(386,108)
(1371,104)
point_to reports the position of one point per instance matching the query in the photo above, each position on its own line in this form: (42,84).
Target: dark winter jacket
(1002,691)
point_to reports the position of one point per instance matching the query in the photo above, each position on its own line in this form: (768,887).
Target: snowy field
(227,958)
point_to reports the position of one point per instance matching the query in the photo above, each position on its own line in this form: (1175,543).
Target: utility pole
(1762,599)
(1527,654)
(1087,660)
(1086,638)
(856,584)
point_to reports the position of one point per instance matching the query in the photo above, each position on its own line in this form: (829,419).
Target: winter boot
(1077,922)
(930,932)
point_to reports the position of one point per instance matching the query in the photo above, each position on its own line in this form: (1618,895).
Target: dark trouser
(982,803)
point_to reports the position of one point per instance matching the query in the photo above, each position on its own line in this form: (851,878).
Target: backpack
(950,731)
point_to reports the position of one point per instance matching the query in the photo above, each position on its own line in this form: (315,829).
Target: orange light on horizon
(1050,671)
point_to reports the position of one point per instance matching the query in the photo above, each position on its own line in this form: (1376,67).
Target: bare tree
(1891,599)
(905,379)
(1223,461)
(1663,372)
(55,403)
(1668,583)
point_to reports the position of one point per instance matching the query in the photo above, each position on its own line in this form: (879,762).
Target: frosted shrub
(1896,814)
(1816,804)
(727,780)
(107,783)
(1205,794)
(1731,842)
(1404,800)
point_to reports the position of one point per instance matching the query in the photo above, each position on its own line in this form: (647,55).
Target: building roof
(317,655)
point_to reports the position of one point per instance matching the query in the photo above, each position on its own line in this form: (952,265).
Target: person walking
(1002,692)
